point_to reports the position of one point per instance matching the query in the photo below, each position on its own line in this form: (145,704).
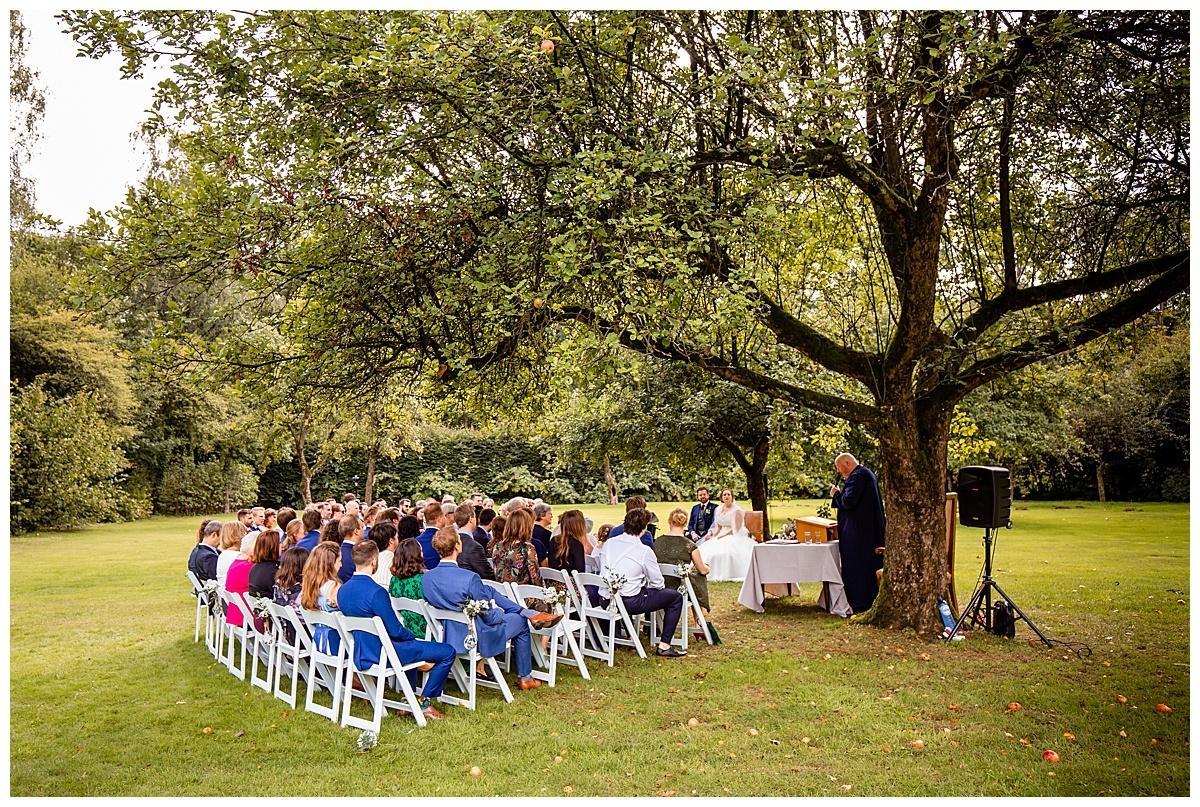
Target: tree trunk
(1100,480)
(305,470)
(912,442)
(755,470)
(611,481)
(369,492)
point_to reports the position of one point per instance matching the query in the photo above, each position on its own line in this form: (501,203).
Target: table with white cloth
(780,564)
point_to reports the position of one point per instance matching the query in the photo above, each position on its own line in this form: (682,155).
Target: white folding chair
(291,657)
(417,607)
(600,637)
(563,649)
(374,679)
(468,681)
(672,570)
(504,589)
(203,609)
(326,669)
(692,601)
(232,635)
(263,647)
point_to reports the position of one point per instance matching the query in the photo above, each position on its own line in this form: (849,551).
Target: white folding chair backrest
(672,570)
(294,654)
(559,576)
(374,678)
(600,638)
(417,607)
(562,637)
(201,602)
(263,648)
(326,669)
(504,589)
(234,634)
(467,680)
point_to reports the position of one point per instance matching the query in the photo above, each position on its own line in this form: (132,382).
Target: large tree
(869,214)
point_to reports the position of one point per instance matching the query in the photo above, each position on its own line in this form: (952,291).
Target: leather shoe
(529,683)
(670,652)
(540,620)
(430,711)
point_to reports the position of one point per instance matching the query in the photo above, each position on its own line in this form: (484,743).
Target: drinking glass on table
(808,536)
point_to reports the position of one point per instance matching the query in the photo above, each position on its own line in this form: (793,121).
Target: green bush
(188,488)
(65,461)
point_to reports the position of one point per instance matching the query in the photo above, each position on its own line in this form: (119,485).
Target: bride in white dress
(727,545)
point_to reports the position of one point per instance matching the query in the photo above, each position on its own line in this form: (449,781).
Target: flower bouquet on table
(786,533)
(472,609)
(613,582)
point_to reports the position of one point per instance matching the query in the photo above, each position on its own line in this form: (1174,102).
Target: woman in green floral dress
(408,566)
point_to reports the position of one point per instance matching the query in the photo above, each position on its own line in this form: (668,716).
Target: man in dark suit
(434,519)
(450,586)
(362,596)
(350,530)
(473,557)
(702,516)
(860,531)
(203,560)
(483,528)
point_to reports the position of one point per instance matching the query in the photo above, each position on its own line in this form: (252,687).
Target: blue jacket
(430,555)
(362,596)
(449,586)
(310,540)
(701,518)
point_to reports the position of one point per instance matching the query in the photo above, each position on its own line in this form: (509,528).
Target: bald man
(860,531)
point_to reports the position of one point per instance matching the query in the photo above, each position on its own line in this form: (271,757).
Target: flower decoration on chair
(210,596)
(553,596)
(685,571)
(613,583)
(259,606)
(472,609)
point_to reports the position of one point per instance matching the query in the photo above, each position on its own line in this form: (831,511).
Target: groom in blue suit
(701,519)
(362,596)
(450,586)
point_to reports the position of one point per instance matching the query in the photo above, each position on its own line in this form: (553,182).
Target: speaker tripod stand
(981,600)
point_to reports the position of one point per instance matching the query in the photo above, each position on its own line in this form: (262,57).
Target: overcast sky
(85,157)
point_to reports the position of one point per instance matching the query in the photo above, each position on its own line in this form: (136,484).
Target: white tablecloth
(780,562)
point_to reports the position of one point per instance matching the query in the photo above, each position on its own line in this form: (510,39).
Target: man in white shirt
(643,591)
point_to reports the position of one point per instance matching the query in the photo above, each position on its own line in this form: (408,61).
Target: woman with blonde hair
(319,586)
(674,547)
(232,533)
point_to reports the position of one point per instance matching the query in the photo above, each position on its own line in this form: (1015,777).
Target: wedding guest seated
(237,581)
(571,543)
(644,590)
(513,555)
(473,557)
(384,538)
(203,560)
(350,528)
(450,587)
(311,519)
(293,535)
(434,519)
(543,515)
(318,590)
(675,547)
(362,596)
(286,591)
(232,533)
(265,558)
(408,567)
(286,516)
(483,526)
(637,503)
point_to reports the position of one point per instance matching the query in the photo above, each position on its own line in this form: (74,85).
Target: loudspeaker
(984,496)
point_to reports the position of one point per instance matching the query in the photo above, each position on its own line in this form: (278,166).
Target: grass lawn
(111,697)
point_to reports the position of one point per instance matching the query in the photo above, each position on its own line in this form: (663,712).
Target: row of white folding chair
(466,677)
(561,645)
(204,610)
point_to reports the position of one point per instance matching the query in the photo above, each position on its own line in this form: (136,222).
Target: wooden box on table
(822,529)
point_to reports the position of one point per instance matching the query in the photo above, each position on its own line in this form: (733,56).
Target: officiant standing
(860,531)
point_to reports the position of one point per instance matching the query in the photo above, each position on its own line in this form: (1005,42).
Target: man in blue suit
(449,586)
(312,526)
(702,515)
(362,596)
(434,519)
(860,531)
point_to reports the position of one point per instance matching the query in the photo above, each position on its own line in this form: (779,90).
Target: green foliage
(65,457)
(188,488)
